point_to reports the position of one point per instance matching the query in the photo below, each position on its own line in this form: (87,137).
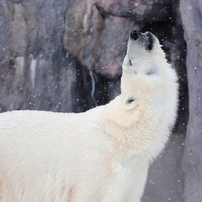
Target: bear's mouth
(146,39)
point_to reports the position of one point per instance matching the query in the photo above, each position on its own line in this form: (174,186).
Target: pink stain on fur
(71,194)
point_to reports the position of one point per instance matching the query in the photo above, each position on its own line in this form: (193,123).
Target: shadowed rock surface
(191,11)
(66,56)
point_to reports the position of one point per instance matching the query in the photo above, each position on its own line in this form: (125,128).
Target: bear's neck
(129,128)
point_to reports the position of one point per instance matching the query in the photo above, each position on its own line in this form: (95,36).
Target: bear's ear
(129,101)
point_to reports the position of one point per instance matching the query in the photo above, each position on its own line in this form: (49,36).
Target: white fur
(101,155)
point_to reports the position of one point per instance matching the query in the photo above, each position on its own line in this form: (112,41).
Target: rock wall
(191,12)
(66,56)
(36,72)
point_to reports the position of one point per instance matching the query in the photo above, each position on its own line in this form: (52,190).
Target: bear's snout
(134,34)
(143,38)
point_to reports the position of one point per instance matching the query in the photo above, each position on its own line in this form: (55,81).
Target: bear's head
(143,67)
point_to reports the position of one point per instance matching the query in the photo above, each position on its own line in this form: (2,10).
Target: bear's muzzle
(146,39)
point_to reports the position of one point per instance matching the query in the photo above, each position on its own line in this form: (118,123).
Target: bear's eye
(150,42)
(130,63)
(150,72)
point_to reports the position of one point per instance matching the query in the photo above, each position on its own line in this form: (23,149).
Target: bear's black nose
(134,35)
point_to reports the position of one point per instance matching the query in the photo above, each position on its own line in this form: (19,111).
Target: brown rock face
(52,48)
(96,31)
(192,159)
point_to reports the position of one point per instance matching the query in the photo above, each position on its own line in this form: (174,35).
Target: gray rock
(192,159)
(166,178)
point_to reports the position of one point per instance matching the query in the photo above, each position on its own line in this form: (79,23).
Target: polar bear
(101,155)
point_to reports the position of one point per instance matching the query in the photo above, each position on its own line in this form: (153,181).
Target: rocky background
(66,56)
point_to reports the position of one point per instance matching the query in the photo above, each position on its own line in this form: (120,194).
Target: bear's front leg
(137,189)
